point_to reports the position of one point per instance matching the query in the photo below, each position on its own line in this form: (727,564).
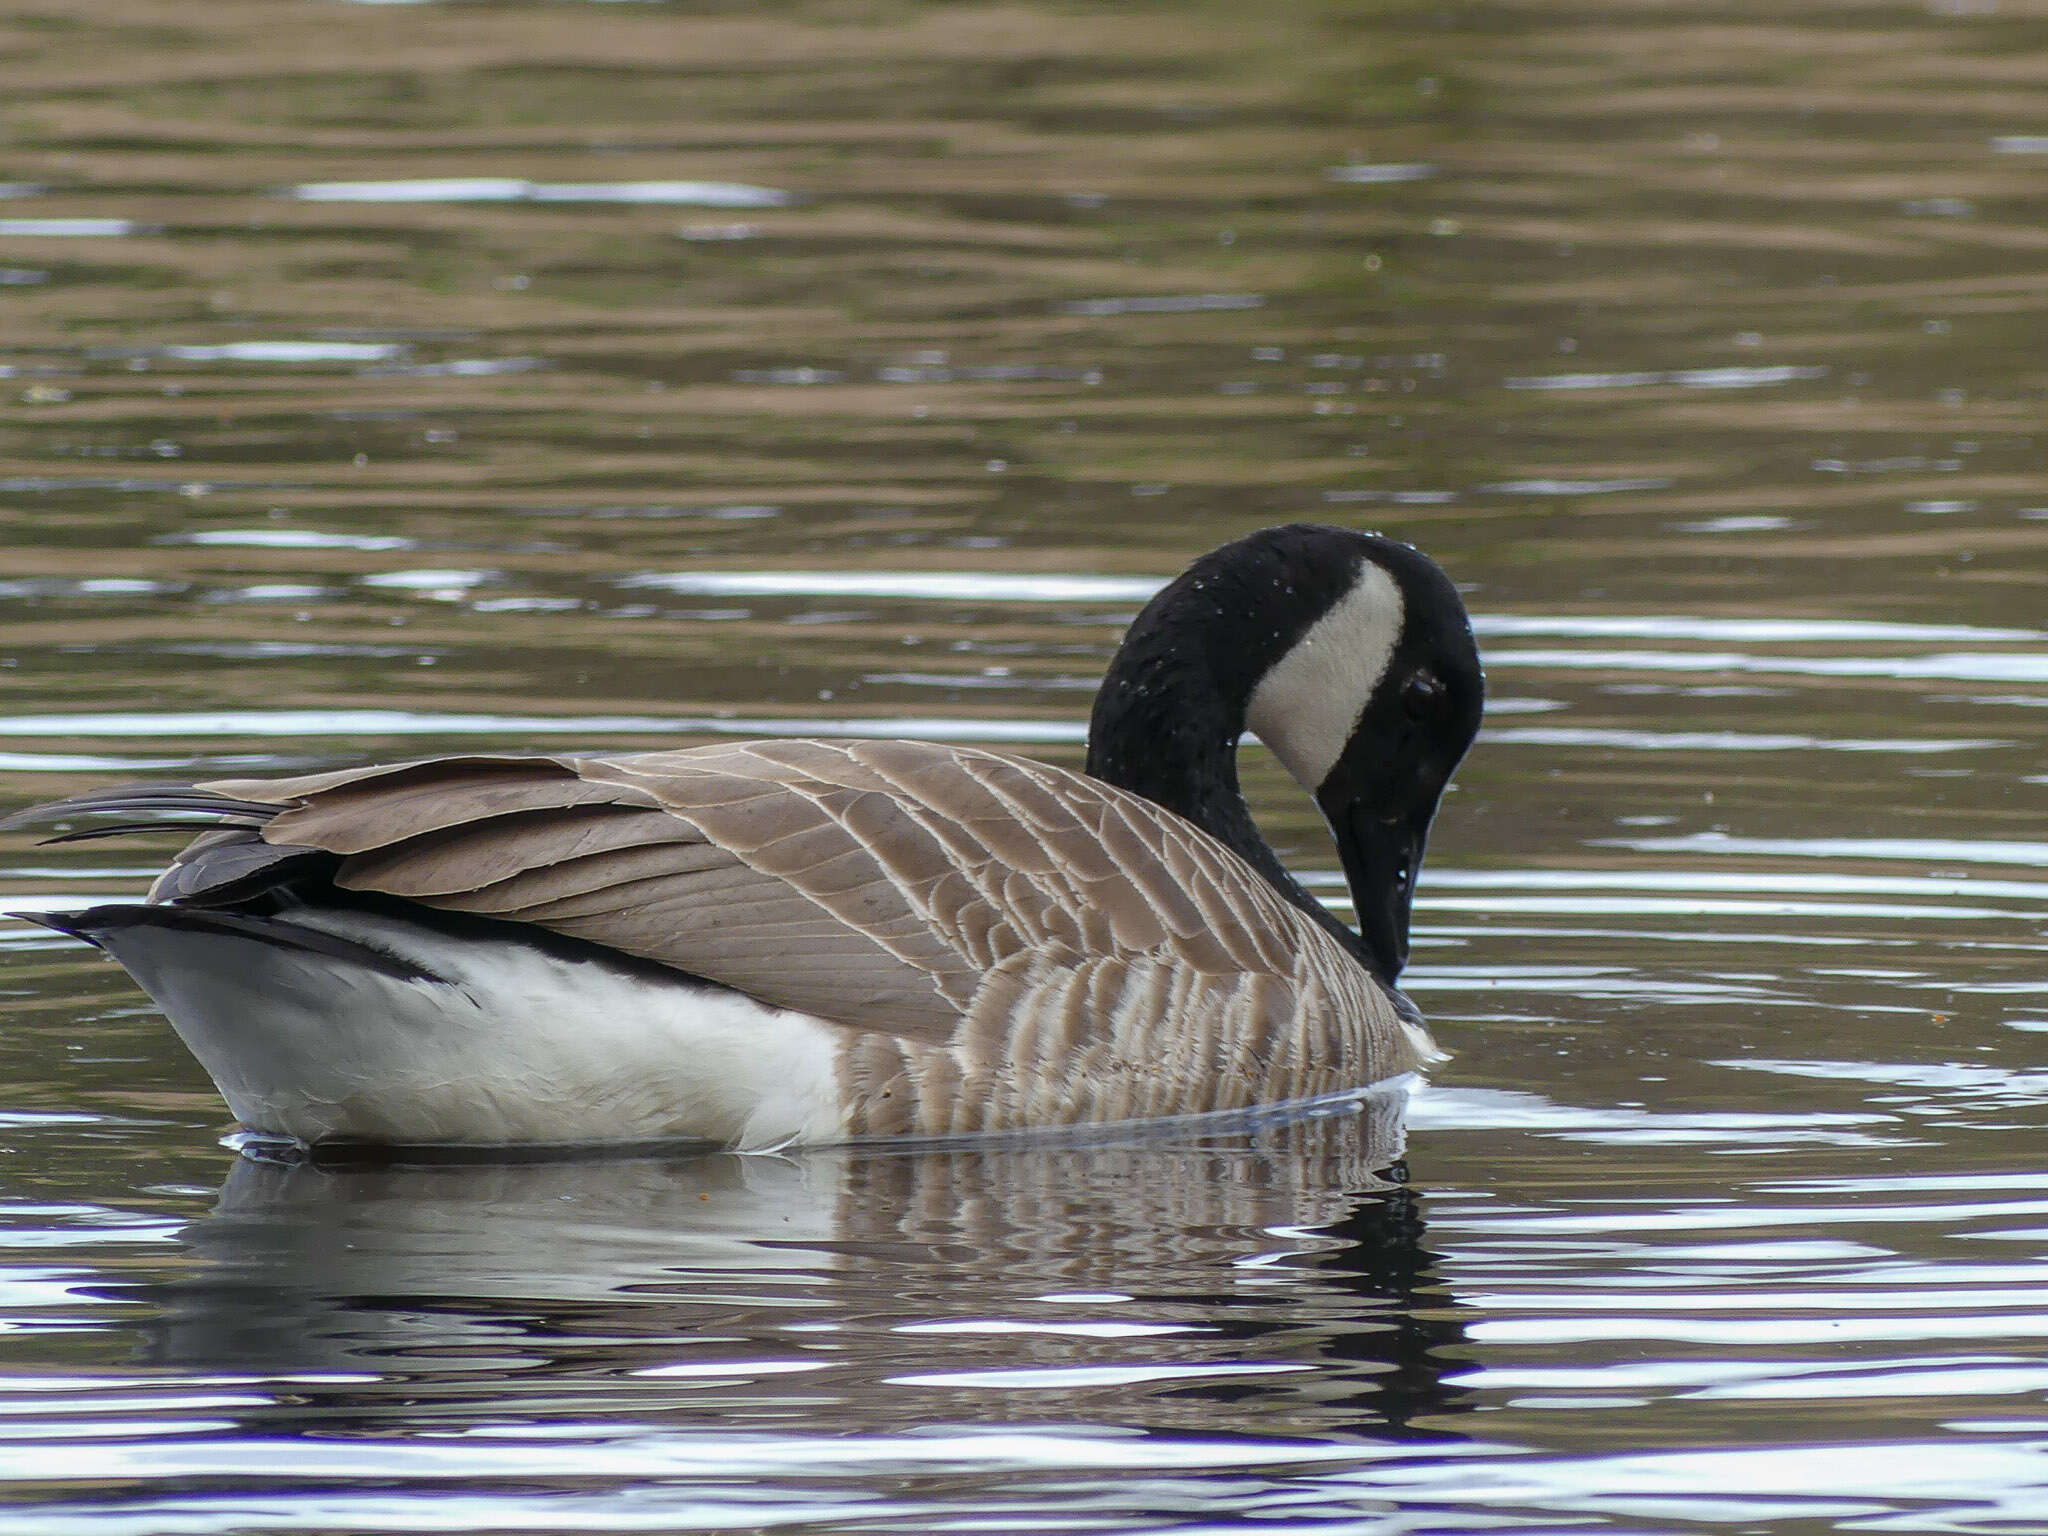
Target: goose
(797,941)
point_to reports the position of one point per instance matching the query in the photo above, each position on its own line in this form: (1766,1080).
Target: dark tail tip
(76,925)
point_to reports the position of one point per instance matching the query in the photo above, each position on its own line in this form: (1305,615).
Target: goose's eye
(1422,695)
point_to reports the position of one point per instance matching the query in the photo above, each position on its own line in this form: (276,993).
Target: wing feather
(356,810)
(990,912)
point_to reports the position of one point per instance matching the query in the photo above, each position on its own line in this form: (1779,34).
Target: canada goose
(790,941)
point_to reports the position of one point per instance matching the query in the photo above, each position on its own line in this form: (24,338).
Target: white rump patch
(1307,703)
(518,1045)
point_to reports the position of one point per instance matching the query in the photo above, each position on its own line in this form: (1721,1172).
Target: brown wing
(874,883)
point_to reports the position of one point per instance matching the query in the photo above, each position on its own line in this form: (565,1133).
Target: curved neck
(1165,727)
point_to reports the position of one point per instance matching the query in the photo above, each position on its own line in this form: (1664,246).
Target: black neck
(1166,726)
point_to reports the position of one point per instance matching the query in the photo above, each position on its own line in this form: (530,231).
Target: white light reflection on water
(392,722)
(606,1451)
(507,189)
(1724,880)
(1933,850)
(962,586)
(71,229)
(1555,487)
(1978,666)
(1967,1081)
(286,352)
(1675,906)
(84,762)
(286,538)
(1689,378)
(271,592)
(1064,1378)
(1385,173)
(1723,741)
(1679,626)
(1447,1107)
(1951,1486)
(433,583)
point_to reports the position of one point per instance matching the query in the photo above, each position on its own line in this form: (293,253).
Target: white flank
(1310,699)
(518,1046)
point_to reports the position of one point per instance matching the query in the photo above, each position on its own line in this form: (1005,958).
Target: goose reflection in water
(1141,1280)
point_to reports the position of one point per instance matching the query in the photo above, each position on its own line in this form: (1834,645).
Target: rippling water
(391,379)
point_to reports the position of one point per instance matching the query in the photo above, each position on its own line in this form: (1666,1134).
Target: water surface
(394,379)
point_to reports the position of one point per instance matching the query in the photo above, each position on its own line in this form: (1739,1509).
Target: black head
(1350,655)
(1420,715)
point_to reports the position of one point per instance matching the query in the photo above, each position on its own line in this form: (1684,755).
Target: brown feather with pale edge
(1005,942)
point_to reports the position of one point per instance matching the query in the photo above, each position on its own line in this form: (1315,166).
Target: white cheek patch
(1308,701)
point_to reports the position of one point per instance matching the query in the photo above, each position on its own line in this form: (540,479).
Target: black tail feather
(160,805)
(227,868)
(65,923)
(95,925)
(128,829)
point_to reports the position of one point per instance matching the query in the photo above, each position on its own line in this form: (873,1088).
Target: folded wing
(877,884)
